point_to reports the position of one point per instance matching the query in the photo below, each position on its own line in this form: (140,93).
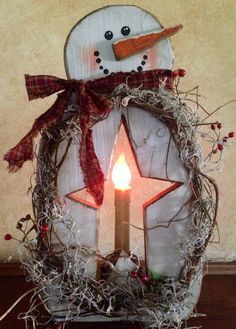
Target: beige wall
(33,34)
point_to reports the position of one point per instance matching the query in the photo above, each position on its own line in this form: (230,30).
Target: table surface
(217,300)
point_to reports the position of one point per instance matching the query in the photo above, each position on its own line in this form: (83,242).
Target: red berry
(144,278)
(213,127)
(181,73)
(219,126)
(231,134)
(8,237)
(19,226)
(220,147)
(175,73)
(44,228)
(133,274)
(42,235)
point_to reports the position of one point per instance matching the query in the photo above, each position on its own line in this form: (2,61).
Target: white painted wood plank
(70,176)
(104,136)
(81,63)
(165,254)
(151,139)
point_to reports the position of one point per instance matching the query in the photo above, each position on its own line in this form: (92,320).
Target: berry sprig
(140,274)
(22,225)
(26,225)
(9,237)
(220,142)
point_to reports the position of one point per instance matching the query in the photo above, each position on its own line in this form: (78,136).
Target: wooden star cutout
(145,191)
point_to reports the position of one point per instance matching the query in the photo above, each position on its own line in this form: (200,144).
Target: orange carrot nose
(126,47)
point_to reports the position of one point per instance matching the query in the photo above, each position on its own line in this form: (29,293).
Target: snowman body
(89,55)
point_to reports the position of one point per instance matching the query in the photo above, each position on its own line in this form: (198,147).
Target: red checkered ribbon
(92,102)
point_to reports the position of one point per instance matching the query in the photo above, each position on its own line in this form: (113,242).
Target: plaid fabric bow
(91,101)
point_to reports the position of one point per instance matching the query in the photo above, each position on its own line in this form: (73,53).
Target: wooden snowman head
(89,49)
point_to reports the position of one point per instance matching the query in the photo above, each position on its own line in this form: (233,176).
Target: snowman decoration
(125,43)
(122,51)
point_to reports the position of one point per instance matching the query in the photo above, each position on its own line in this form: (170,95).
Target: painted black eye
(125,30)
(108,35)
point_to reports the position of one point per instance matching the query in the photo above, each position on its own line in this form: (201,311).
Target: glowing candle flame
(121,174)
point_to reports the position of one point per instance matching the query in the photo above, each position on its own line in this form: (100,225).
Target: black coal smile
(106,71)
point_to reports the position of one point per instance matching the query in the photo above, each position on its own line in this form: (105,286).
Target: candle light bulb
(121,174)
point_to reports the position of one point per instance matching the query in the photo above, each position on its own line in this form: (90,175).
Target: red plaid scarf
(91,102)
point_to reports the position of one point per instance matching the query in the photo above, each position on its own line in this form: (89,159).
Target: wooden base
(217,300)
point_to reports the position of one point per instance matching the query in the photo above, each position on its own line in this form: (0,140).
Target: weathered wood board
(89,55)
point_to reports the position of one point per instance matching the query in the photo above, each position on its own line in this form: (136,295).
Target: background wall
(33,33)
